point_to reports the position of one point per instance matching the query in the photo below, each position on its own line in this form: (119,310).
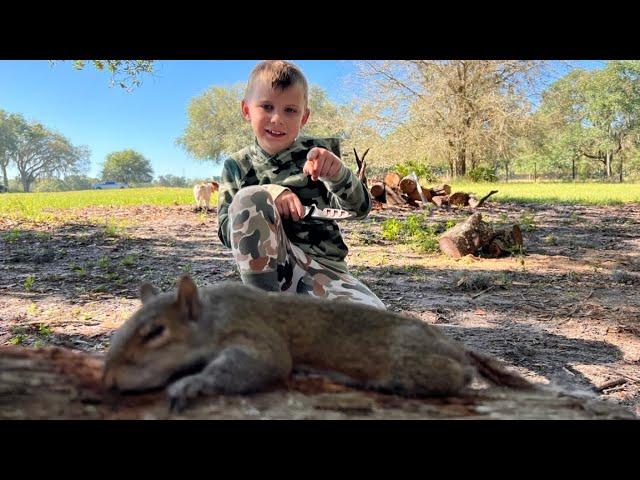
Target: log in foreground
(58,383)
(473,236)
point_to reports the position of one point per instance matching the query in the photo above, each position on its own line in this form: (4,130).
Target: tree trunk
(5,179)
(607,160)
(621,168)
(26,184)
(461,164)
(573,168)
(56,383)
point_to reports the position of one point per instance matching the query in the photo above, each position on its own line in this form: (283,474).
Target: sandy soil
(567,313)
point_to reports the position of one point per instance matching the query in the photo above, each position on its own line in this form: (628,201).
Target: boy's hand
(289,206)
(322,163)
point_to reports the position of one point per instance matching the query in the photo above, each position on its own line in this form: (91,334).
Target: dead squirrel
(236,339)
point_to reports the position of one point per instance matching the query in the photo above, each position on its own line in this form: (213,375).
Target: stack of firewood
(396,190)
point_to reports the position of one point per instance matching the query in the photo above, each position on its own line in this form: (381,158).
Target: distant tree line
(478,119)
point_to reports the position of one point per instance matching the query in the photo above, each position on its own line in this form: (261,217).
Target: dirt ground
(567,313)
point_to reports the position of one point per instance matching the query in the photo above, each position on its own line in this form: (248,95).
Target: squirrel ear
(188,300)
(147,291)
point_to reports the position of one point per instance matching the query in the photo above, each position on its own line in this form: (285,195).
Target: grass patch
(416,230)
(566,193)
(45,206)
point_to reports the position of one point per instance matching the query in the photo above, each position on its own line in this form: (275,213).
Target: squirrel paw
(182,391)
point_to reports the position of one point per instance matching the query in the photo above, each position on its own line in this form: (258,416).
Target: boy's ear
(245,110)
(188,301)
(305,117)
(147,291)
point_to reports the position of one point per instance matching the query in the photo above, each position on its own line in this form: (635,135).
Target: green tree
(458,112)
(127,166)
(595,114)
(172,181)
(8,141)
(216,128)
(39,152)
(125,73)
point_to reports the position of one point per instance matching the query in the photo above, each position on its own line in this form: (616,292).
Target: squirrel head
(159,341)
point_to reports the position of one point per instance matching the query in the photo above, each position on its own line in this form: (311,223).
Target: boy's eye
(291,110)
(267,107)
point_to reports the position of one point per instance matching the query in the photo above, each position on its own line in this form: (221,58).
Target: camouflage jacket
(321,239)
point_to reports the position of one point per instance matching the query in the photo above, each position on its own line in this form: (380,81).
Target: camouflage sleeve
(349,193)
(229,186)
(275,190)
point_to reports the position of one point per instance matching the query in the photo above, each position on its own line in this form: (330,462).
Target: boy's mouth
(275,133)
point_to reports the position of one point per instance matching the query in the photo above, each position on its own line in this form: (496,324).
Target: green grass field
(43,206)
(556,193)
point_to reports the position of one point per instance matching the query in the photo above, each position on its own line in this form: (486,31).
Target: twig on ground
(612,383)
(483,291)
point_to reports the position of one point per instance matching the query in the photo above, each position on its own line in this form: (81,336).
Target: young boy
(265,187)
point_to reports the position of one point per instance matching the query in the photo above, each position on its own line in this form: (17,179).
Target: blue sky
(84,108)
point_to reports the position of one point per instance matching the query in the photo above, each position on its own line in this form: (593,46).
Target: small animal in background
(235,339)
(202,193)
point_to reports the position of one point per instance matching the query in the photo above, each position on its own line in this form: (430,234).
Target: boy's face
(276,116)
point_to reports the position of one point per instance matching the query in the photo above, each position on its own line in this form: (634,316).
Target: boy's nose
(275,118)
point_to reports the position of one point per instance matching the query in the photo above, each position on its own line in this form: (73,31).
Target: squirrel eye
(153,333)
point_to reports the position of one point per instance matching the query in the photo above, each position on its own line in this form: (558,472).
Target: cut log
(393,197)
(392,180)
(440,200)
(466,238)
(415,196)
(475,203)
(504,241)
(459,199)
(443,189)
(55,383)
(377,190)
(408,185)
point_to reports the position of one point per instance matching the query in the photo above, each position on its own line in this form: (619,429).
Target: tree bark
(5,179)
(56,383)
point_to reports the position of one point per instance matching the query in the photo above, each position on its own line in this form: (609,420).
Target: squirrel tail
(493,371)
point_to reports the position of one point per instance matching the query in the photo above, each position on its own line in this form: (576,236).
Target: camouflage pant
(268,260)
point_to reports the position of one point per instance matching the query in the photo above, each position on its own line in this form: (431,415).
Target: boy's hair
(280,74)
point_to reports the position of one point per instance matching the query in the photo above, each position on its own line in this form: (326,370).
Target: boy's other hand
(322,163)
(289,206)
